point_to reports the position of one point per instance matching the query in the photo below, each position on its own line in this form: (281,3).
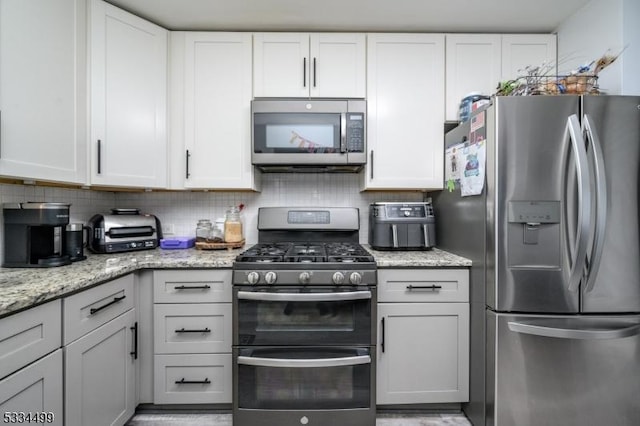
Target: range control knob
(253,277)
(355,278)
(270,277)
(304,278)
(338,278)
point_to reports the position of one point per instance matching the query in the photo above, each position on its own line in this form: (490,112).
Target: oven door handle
(304,297)
(304,363)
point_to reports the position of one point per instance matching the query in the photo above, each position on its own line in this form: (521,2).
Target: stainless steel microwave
(308,134)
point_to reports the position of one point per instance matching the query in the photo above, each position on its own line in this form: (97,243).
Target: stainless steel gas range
(304,322)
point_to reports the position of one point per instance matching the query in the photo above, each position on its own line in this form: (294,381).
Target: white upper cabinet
(522,50)
(43,90)
(211,111)
(405,111)
(473,65)
(128,142)
(327,65)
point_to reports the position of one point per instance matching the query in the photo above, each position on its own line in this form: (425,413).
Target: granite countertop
(22,288)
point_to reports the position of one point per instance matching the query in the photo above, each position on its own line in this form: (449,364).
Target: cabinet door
(522,50)
(423,353)
(473,65)
(36,388)
(42,90)
(405,106)
(217,111)
(281,65)
(100,375)
(338,65)
(128,99)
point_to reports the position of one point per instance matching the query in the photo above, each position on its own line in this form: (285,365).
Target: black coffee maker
(34,234)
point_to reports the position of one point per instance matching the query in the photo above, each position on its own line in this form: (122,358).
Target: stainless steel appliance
(402,226)
(304,322)
(124,230)
(76,239)
(34,234)
(291,135)
(554,240)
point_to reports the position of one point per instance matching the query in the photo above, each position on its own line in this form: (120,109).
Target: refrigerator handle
(574,134)
(592,333)
(591,137)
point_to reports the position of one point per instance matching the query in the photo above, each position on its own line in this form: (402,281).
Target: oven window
(305,316)
(315,133)
(272,380)
(290,321)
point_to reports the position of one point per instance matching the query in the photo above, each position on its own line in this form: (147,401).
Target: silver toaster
(124,230)
(402,226)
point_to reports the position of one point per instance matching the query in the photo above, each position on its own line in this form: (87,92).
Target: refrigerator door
(530,267)
(569,371)
(614,264)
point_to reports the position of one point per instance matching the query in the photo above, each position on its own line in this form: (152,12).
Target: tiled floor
(225,420)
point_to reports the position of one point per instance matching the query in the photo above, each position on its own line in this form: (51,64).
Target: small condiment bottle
(233,226)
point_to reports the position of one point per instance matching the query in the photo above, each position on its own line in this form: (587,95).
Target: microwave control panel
(355,132)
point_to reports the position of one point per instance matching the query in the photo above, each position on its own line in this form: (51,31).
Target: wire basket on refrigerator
(573,84)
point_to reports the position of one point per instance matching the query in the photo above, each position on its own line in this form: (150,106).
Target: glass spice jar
(233,226)
(204,230)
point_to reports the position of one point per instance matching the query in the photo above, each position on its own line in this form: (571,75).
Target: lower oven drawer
(192,379)
(304,378)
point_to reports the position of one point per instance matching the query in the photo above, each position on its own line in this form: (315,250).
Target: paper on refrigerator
(465,163)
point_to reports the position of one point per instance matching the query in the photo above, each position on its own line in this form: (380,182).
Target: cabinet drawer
(29,335)
(86,311)
(192,379)
(192,286)
(423,285)
(35,389)
(192,328)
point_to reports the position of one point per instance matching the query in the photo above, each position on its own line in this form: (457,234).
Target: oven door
(304,315)
(304,378)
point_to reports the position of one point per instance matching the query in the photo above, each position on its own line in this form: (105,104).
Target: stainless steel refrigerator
(554,238)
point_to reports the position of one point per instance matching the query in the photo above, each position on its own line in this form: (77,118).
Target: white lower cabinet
(100,334)
(192,341)
(423,336)
(35,390)
(100,375)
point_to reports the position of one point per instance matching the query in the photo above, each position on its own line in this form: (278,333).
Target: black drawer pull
(192,287)
(134,329)
(424,287)
(182,381)
(183,330)
(115,300)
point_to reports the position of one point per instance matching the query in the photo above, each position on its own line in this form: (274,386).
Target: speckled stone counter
(23,288)
(435,258)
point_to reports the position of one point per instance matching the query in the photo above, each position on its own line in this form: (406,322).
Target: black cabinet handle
(187,165)
(371,161)
(115,300)
(424,287)
(192,287)
(99,156)
(183,330)
(206,381)
(382,342)
(314,72)
(304,72)
(134,329)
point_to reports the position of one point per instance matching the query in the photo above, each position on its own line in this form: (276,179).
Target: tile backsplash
(179,211)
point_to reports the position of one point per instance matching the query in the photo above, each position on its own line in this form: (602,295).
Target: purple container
(177,243)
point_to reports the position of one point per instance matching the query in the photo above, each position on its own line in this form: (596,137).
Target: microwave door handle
(343,132)
(304,297)
(304,363)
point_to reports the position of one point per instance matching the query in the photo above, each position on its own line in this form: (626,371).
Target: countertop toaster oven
(124,230)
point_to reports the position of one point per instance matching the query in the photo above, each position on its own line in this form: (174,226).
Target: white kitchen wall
(181,210)
(589,33)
